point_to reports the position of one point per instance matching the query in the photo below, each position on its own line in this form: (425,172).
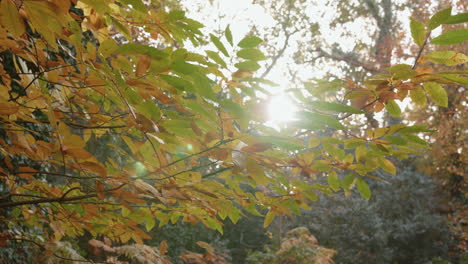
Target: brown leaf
(143,64)
(163,247)
(4,239)
(94,167)
(8,108)
(100,190)
(78,153)
(257,147)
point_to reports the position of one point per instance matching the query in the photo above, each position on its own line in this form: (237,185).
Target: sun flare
(281,109)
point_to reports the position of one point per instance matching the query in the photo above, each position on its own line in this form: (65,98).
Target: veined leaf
(270,215)
(215,57)
(333,181)
(437,93)
(249,42)
(456,19)
(363,188)
(387,165)
(251,54)
(451,37)
(335,107)
(228,34)
(417,31)
(393,108)
(219,44)
(439,18)
(317,121)
(402,71)
(449,58)
(11,19)
(418,96)
(248,65)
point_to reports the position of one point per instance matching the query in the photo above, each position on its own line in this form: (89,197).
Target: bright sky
(242,14)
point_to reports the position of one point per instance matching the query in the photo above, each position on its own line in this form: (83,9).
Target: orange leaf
(163,247)
(94,167)
(143,64)
(8,108)
(78,153)
(100,189)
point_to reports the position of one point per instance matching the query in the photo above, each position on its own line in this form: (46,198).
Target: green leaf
(335,107)
(455,78)
(216,58)
(176,15)
(177,82)
(393,108)
(456,19)
(136,4)
(396,140)
(451,37)
(317,121)
(361,153)
(149,109)
(363,188)
(439,18)
(270,215)
(347,181)
(183,67)
(219,45)
(418,96)
(448,57)
(107,47)
(289,144)
(249,42)
(402,71)
(132,48)
(417,32)
(333,181)
(437,93)
(248,65)
(150,222)
(251,54)
(228,35)
(415,129)
(415,139)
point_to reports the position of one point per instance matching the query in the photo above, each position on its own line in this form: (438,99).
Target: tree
(104,135)
(402,224)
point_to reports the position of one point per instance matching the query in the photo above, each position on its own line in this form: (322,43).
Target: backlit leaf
(219,44)
(437,93)
(439,18)
(418,96)
(393,108)
(417,31)
(10,18)
(451,37)
(251,54)
(249,42)
(363,188)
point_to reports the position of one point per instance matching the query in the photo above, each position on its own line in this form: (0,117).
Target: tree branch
(56,200)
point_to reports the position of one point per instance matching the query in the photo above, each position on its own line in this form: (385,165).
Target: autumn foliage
(110,124)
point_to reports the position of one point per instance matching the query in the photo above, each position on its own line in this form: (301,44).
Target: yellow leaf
(268,218)
(10,18)
(360,153)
